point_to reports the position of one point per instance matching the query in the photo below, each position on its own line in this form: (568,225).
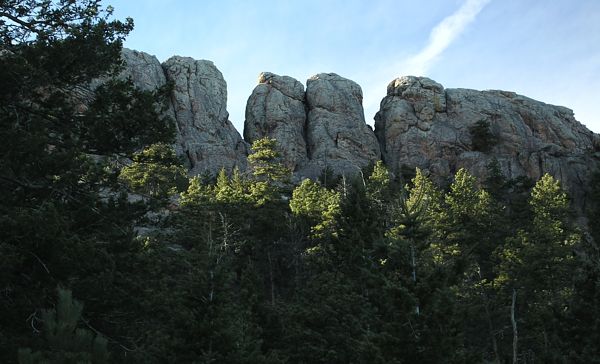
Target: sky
(546,50)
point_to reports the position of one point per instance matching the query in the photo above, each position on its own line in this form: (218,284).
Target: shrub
(482,138)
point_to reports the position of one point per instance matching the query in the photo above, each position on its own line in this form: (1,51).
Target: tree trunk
(414,274)
(486,305)
(271,277)
(514,325)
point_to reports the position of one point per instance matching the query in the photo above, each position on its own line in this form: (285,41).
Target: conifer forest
(111,253)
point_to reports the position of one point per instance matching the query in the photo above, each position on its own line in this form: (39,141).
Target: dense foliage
(109,254)
(483,140)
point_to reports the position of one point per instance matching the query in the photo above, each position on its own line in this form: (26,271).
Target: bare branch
(31,319)
(87,323)
(41,262)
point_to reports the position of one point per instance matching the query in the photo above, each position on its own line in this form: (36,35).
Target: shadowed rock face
(276,109)
(422,125)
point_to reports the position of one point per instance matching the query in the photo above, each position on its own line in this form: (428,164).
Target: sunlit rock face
(336,133)
(421,124)
(208,139)
(143,69)
(321,128)
(276,109)
(205,138)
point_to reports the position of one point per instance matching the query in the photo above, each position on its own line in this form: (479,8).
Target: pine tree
(270,176)
(412,231)
(317,204)
(379,183)
(156,171)
(582,329)
(468,222)
(265,161)
(536,269)
(64,215)
(64,341)
(593,211)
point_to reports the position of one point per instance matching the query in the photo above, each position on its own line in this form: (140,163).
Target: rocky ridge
(419,124)
(208,139)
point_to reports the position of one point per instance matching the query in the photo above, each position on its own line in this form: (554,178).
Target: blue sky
(547,50)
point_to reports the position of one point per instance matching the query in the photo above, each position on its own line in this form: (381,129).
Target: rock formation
(324,129)
(420,124)
(276,109)
(143,69)
(336,133)
(207,137)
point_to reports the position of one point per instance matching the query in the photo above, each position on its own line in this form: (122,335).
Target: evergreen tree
(581,329)
(64,341)
(64,216)
(328,178)
(469,221)
(536,269)
(270,175)
(317,204)
(483,140)
(593,210)
(379,184)
(156,171)
(422,263)
(495,183)
(358,270)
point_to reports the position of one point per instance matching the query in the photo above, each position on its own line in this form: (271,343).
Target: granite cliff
(206,139)
(323,127)
(419,124)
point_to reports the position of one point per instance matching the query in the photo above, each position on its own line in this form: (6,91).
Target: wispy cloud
(442,36)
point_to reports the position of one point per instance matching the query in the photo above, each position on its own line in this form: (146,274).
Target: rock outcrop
(322,128)
(336,133)
(421,124)
(144,70)
(207,138)
(276,109)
